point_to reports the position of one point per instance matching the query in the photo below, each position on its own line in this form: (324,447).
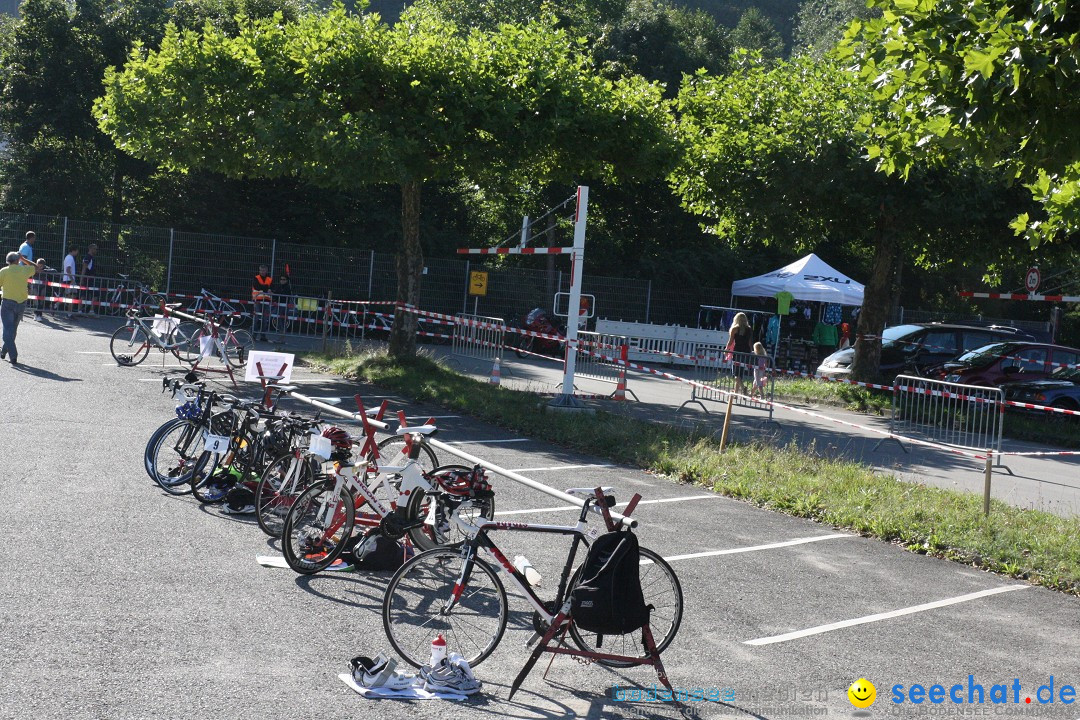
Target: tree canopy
(998,81)
(344,101)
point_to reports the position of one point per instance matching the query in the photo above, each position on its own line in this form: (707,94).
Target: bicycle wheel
(414,608)
(392,452)
(179,456)
(317,527)
(663,592)
(129,345)
(185,341)
(436,507)
(238,345)
(151,445)
(524,346)
(152,302)
(285,480)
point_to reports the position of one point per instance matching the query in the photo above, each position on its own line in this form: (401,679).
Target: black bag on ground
(374,551)
(608,599)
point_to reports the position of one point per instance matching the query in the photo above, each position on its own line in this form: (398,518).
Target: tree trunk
(410,270)
(877,299)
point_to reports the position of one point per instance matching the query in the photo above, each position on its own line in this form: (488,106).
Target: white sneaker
(462,664)
(448,678)
(380,673)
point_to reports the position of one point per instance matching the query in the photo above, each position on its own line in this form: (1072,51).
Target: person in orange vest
(261,288)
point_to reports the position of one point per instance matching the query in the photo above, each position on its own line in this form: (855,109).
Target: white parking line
(91,352)
(562,467)
(755,548)
(575,507)
(425,417)
(487,442)
(882,616)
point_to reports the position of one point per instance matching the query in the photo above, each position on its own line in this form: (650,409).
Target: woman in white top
(70,276)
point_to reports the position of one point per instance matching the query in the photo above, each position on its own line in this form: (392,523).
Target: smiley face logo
(862,693)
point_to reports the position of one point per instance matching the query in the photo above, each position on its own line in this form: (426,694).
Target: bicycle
(142,296)
(209,303)
(321,520)
(130,344)
(458,594)
(190,447)
(231,345)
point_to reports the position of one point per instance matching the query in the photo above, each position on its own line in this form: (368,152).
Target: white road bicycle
(228,314)
(399,500)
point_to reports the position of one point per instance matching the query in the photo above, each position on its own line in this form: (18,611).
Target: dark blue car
(1061,390)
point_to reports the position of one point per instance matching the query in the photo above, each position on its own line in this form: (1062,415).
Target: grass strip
(1034,545)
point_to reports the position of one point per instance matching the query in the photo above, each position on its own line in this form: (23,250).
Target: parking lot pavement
(1045,483)
(119,601)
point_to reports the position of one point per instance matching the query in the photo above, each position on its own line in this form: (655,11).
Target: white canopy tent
(809,278)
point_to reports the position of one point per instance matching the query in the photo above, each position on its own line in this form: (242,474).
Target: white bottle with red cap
(438,651)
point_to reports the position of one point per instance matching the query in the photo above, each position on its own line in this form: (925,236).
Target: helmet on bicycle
(340,441)
(188,411)
(276,440)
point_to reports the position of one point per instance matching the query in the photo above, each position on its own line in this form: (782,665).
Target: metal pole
(577,269)
(63,250)
(370,274)
(273,254)
(648,301)
(326,320)
(525,231)
(465,292)
(986,483)
(168,272)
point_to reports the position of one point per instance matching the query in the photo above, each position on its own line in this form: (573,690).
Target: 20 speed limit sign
(1032,279)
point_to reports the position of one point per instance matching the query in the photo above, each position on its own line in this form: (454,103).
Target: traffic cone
(620,388)
(496,376)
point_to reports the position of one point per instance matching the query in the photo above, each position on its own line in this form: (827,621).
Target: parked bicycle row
(374,499)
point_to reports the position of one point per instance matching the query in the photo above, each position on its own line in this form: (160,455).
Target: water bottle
(532,575)
(438,651)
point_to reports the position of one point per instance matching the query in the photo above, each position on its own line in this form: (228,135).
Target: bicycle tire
(134,340)
(392,452)
(437,530)
(185,337)
(413,614)
(152,302)
(524,346)
(238,345)
(176,462)
(658,582)
(304,530)
(271,504)
(148,456)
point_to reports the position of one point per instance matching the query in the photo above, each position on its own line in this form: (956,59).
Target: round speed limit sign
(1032,279)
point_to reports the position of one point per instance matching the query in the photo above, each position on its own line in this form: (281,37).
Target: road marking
(882,616)
(576,507)
(425,417)
(754,548)
(91,352)
(562,467)
(488,442)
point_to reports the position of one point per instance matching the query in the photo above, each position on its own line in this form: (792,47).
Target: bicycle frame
(147,326)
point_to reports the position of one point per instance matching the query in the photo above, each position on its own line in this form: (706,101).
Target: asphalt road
(118,601)
(1045,483)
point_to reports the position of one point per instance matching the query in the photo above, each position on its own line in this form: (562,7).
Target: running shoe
(448,678)
(380,673)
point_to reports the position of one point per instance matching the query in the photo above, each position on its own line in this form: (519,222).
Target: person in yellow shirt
(13,284)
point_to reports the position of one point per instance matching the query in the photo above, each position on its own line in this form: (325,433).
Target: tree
(755,32)
(772,159)
(343,101)
(820,24)
(996,81)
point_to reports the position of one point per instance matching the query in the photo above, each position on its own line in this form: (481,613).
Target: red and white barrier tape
(1020,296)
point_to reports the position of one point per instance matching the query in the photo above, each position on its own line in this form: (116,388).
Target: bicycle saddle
(173,306)
(122,275)
(417,429)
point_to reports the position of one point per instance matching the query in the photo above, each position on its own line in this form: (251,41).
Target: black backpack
(607,599)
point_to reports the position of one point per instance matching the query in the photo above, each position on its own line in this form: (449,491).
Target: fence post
(273,255)
(727,422)
(986,483)
(168,271)
(370,274)
(326,320)
(465,292)
(648,301)
(63,249)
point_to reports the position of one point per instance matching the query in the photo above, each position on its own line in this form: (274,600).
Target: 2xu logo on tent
(811,278)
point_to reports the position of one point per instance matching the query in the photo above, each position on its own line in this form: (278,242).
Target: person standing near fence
(70,276)
(740,336)
(14,281)
(27,251)
(761,370)
(261,288)
(89,269)
(286,307)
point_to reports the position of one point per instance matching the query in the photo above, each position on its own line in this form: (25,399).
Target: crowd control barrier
(593,353)
(479,337)
(962,416)
(747,377)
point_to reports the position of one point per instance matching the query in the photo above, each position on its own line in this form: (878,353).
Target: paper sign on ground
(271,365)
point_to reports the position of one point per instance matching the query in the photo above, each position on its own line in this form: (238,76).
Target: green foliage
(755,32)
(820,24)
(222,14)
(997,81)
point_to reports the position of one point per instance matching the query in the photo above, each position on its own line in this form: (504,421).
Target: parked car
(1009,361)
(1061,390)
(921,349)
